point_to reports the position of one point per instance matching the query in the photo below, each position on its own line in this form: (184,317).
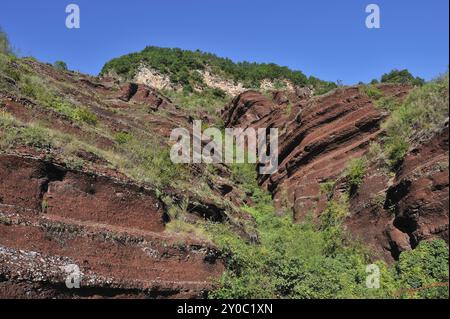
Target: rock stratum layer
(114,228)
(318,138)
(55,214)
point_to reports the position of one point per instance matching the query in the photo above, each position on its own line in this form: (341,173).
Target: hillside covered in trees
(182,67)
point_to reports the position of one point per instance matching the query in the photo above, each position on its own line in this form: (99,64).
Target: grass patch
(417,119)
(354,172)
(122,137)
(209,100)
(371,91)
(33,87)
(387,103)
(147,159)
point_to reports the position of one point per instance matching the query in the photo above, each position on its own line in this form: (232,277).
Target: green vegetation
(182,67)
(60,65)
(11,134)
(326,188)
(9,74)
(33,87)
(14,75)
(314,259)
(5,46)
(209,100)
(422,114)
(371,91)
(147,159)
(424,271)
(123,137)
(387,103)
(142,158)
(355,171)
(402,77)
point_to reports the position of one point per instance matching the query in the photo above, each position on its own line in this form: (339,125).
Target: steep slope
(321,136)
(86,181)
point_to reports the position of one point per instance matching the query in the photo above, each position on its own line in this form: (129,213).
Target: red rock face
(393,216)
(51,217)
(145,95)
(318,137)
(420,193)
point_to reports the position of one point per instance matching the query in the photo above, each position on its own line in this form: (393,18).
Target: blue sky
(324,38)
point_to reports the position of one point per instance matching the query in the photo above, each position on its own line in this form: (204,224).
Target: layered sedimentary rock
(320,135)
(55,215)
(51,218)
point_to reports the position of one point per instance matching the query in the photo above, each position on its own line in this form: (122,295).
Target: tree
(60,65)
(5,46)
(402,77)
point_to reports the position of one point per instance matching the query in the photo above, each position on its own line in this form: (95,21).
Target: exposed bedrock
(317,138)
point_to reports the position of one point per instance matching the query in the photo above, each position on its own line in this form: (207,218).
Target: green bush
(11,133)
(83,115)
(304,260)
(123,137)
(60,65)
(294,260)
(313,260)
(423,272)
(355,171)
(387,103)
(5,46)
(371,91)
(8,72)
(209,100)
(402,77)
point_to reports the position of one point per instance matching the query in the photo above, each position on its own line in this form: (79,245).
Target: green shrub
(371,91)
(402,77)
(304,260)
(310,260)
(60,65)
(423,269)
(83,115)
(7,68)
(11,133)
(209,100)
(294,260)
(123,137)
(387,103)
(326,188)
(73,112)
(355,171)
(5,46)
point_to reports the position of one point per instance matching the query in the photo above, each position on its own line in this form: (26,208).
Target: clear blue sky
(325,38)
